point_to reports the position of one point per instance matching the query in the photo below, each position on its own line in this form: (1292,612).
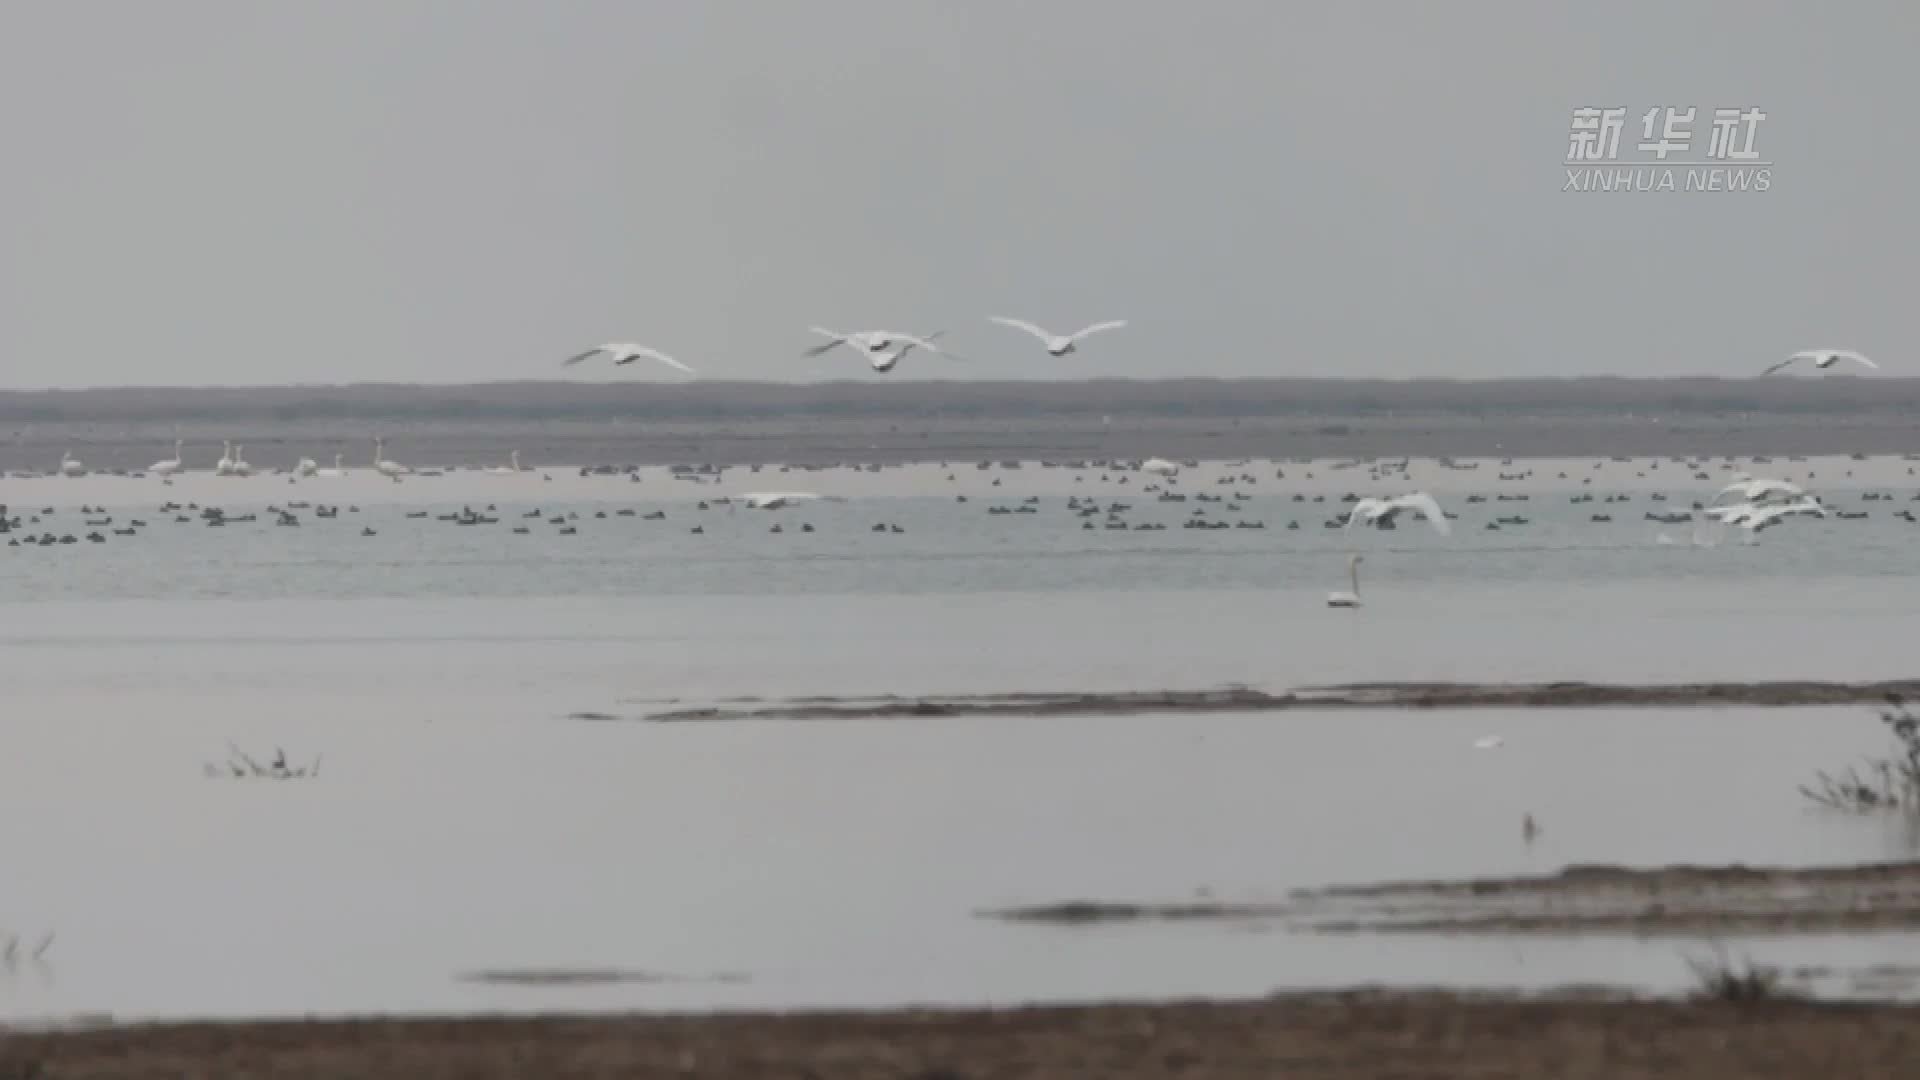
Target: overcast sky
(203,192)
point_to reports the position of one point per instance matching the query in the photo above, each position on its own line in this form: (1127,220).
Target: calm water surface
(463,822)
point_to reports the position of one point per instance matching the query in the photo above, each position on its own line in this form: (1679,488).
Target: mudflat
(1379,695)
(1332,1035)
(1666,900)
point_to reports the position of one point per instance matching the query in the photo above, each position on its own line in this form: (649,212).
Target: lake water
(462,822)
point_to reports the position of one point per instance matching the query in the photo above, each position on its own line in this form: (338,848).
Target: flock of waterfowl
(1749,503)
(882,349)
(233,462)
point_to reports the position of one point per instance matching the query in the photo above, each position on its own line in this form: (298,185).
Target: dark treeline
(1855,397)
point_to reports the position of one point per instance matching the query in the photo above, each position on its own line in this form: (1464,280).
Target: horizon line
(675,385)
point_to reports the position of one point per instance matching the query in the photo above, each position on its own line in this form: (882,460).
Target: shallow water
(842,863)
(462,822)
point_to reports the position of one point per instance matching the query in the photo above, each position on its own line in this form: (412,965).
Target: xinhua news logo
(1666,160)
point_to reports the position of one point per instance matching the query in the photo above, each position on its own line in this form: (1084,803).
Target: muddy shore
(1669,900)
(1676,901)
(1302,1037)
(1246,699)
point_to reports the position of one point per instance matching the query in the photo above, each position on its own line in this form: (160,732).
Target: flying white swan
(1375,511)
(1058,344)
(626,352)
(1348,599)
(335,473)
(884,348)
(1756,516)
(164,469)
(387,468)
(69,466)
(774,500)
(1823,359)
(1763,494)
(510,469)
(864,340)
(1760,489)
(1768,516)
(224,467)
(884,360)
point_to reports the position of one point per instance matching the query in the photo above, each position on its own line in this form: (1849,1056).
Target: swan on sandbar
(335,473)
(224,467)
(392,469)
(512,467)
(70,466)
(164,469)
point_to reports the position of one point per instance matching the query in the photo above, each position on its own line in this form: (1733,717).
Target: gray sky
(205,192)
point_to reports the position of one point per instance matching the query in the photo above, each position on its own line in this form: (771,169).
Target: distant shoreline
(870,422)
(1385,695)
(1189,398)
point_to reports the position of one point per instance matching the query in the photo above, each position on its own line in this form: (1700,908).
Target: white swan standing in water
(1823,359)
(224,467)
(165,469)
(335,473)
(1375,511)
(1348,599)
(509,469)
(392,469)
(69,466)
(240,466)
(1058,344)
(626,352)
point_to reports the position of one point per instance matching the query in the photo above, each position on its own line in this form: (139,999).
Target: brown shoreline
(1355,695)
(1320,1036)
(1670,901)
